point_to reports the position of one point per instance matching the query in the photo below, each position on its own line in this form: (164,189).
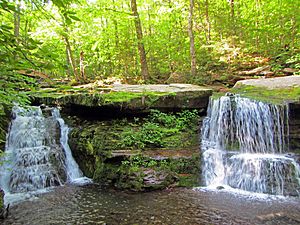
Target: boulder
(271,83)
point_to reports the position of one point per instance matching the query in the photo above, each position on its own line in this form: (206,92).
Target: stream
(250,176)
(91,204)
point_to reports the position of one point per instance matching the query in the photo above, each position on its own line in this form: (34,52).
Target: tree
(15,56)
(192,40)
(139,35)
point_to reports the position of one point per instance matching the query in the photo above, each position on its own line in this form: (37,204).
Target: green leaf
(58,3)
(74,17)
(94,47)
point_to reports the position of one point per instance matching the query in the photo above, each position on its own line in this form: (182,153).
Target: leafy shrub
(155,130)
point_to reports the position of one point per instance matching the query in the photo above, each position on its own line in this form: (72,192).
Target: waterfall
(37,154)
(73,171)
(244,146)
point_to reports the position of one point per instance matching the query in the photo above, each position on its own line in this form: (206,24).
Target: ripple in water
(92,205)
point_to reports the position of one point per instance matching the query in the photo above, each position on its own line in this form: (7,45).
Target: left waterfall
(37,155)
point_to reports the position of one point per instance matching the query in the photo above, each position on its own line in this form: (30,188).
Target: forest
(149,111)
(204,42)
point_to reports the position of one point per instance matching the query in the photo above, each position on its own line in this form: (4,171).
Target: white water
(73,171)
(244,147)
(37,154)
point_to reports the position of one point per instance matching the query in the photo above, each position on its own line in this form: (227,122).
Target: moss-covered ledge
(127,97)
(281,90)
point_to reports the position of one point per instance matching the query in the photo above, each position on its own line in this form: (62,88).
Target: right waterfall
(245,146)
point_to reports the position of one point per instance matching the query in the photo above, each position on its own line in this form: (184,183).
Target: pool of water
(92,204)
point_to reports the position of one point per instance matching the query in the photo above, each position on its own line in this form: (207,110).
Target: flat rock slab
(272,83)
(173,88)
(279,90)
(128,98)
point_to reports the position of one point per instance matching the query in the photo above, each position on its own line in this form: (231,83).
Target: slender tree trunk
(81,63)
(232,19)
(257,4)
(116,27)
(192,41)
(293,31)
(171,64)
(68,63)
(17,22)
(208,24)
(70,56)
(139,34)
(232,9)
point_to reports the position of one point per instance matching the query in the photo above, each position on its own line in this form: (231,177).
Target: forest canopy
(142,41)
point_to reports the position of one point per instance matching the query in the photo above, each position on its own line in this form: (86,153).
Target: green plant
(159,129)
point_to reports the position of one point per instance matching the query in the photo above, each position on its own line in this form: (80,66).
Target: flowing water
(93,205)
(37,153)
(242,148)
(244,145)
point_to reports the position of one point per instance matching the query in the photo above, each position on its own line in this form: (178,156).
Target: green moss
(275,96)
(162,130)
(94,143)
(188,180)
(185,170)
(95,97)
(128,96)
(217,95)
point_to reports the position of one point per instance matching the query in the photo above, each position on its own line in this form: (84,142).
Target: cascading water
(244,146)
(37,152)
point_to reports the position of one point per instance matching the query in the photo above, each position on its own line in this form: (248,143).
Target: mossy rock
(281,90)
(105,149)
(127,98)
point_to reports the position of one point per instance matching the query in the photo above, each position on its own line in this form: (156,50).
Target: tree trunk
(208,25)
(293,31)
(257,5)
(192,41)
(82,73)
(139,34)
(232,9)
(70,57)
(116,27)
(17,22)
(232,19)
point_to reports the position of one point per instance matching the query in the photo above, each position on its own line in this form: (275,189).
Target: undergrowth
(159,130)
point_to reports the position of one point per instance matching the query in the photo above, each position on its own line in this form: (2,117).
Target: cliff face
(137,137)
(294,127)
(141,153)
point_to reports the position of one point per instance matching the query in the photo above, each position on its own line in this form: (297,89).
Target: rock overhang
(127,98)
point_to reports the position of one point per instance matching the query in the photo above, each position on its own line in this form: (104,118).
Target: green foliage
(15,54)
(158,129)
(104,31)
(294,61)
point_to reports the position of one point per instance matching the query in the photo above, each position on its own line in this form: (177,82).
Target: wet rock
(3,213)
(147,179)
(220,188)
(157,179)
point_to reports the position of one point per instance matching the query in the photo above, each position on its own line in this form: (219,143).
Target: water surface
(93,205)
